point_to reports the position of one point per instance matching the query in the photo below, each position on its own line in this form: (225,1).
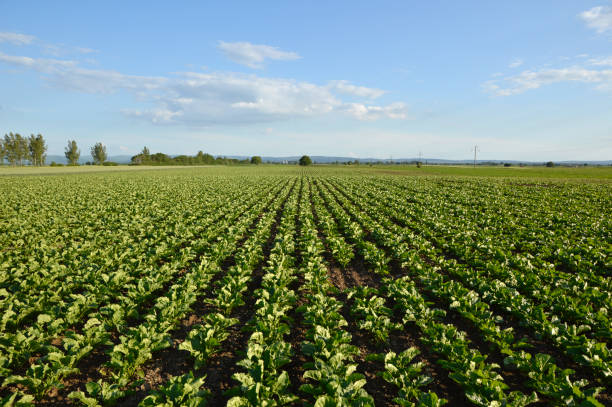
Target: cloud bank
(198,99)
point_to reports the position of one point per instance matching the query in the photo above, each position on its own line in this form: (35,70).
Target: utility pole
(420,156)
(476,149)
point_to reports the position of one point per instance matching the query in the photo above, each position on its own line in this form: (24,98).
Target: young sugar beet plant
(372,314)
(206,339)
(407,377)
(181,391)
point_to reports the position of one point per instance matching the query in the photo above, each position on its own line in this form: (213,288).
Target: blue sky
(523,80)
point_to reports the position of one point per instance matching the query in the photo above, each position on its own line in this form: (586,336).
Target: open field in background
(601,173)
(139,286)
(499,171)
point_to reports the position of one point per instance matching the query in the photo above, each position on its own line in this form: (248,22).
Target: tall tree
(72,153)
(16,148)
(98,153)
(21,148)
(38,148)
(9,151)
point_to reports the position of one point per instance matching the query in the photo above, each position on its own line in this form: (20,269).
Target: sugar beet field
(316,286)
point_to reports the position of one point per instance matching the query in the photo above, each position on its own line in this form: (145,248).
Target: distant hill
(319,159)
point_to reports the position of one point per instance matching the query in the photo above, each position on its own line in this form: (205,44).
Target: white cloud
(203,99)
(38,64)
(360,111)
(16,39)
(516,63)
(598,18)
(348,88)
(155,116)
(601,61)
(253,55)
(527,80)
(85,50)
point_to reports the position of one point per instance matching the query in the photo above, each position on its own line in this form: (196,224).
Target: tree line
(146,158)
(17,149)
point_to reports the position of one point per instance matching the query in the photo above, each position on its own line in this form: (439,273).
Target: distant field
(280,285)
(7,170)
(602,173)
(482,171)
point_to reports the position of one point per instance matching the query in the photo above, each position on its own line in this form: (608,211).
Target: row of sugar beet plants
(482,383)
(131,274)
(136,343)
(373,317)
(262,379)
(543,375)
(368,307)
(539,316)
(206,338)
(332,377)
(339,248)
